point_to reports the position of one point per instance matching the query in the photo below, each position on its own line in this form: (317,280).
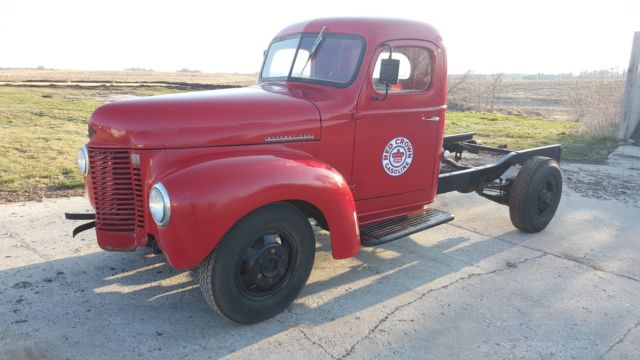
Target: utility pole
(630,114)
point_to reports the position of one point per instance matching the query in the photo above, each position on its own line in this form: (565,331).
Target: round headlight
(83,160)
(159,204)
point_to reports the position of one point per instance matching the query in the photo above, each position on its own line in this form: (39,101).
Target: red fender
(208,198)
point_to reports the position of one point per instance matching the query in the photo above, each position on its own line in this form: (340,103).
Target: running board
(376,234)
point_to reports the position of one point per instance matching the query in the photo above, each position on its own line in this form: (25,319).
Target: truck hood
(254,115)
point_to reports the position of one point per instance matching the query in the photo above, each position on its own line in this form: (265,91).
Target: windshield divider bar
(295,57)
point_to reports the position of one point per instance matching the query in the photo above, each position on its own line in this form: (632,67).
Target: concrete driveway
(474,288)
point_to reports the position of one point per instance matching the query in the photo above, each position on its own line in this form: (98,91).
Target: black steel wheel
(535,194)
(261,264)
(265,263)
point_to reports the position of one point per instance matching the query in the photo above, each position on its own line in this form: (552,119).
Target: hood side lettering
(285,138)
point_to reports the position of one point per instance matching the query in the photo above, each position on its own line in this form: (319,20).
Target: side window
(415,70)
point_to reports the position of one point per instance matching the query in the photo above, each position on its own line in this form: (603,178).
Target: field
(66,77)
(552,99)
(44,114)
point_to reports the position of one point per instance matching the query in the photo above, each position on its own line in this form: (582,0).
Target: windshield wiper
(318,41)
(315,46)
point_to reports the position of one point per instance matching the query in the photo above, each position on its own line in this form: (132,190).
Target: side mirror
(389,71)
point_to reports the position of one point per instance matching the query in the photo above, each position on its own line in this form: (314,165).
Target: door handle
(433,118)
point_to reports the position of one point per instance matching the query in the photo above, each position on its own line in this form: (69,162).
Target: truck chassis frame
(487,179)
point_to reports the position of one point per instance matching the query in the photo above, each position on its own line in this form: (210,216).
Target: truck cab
(344,126)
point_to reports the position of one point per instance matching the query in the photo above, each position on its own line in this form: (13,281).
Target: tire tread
(206,279)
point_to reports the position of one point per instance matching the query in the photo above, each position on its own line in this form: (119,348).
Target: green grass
(42,129)
(521,132)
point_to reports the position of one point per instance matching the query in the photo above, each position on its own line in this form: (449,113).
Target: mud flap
(82,216)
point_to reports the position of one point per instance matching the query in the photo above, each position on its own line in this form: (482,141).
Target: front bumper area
(106,240)
(81,216)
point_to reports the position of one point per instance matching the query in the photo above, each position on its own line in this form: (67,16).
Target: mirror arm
(390,49)
(386,92)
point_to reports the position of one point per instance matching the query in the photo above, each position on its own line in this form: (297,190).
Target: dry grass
(597,104)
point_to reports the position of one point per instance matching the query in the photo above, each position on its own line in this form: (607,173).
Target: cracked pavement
(473,288)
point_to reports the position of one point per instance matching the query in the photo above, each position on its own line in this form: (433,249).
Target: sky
(541,36)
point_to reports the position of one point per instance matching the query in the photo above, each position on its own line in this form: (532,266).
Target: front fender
(208,198)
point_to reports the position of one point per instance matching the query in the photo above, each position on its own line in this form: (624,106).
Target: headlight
(83,161)
(159,204)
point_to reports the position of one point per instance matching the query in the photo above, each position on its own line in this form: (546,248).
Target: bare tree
(495,82)
(461,80)
(474,92)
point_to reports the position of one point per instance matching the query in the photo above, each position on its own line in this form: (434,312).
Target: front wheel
(535,194)
(261,264)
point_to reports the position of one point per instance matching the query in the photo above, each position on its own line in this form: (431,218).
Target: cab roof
(374,30)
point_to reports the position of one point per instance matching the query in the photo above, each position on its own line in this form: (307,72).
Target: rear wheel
(535,194)
(261,264)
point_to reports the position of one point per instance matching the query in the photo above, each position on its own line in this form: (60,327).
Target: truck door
(397,139)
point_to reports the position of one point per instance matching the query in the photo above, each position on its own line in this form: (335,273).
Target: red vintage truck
(344,126)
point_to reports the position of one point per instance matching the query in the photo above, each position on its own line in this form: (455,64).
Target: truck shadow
(139,295)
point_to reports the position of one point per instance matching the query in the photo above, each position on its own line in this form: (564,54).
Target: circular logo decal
(397,156)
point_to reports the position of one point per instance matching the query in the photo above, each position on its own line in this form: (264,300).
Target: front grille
(139,198)
(117,190)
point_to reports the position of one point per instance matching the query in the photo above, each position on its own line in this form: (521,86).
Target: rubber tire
(524,193)
(217,280)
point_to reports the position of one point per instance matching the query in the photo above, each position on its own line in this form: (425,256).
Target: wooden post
(630,114)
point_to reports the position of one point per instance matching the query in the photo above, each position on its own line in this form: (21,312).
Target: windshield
(335,61)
